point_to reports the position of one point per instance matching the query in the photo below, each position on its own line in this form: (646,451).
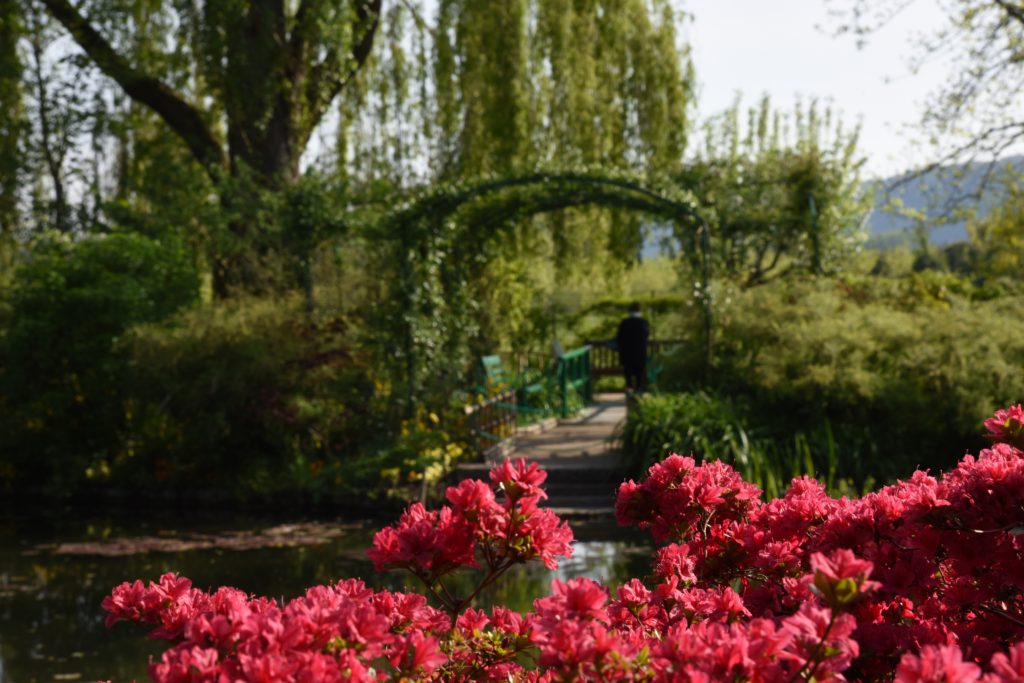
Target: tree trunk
(277,77)
(52,154)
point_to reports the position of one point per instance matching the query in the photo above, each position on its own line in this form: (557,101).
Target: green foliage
(411,463)
(251,397)
(710,426)
(256,398)
(690,423)
(503,88)
(309,214)
(599,320)
(782,191)
(998,237)
(61,375)
(903,370)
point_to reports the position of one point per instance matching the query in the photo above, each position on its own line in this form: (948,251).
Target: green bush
(691,423)
(243,398)
(712,427)
(61,375)
(413,462)
(903,370)
(250,399)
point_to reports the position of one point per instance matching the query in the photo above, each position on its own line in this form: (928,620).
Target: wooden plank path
(580,455)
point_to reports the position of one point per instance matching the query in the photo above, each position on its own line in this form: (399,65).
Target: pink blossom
(923,577)
(936,664)
(1007,424)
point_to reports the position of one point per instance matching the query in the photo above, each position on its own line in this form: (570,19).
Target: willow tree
(145,180)
(266,73)
(492,88)
(594,83)
(481,90)
(11,118)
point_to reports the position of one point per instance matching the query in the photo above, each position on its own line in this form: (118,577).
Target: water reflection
(51,625)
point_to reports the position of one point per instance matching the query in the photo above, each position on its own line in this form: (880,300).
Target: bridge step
(607,489)
(572,489)
(572,476)
(582,507)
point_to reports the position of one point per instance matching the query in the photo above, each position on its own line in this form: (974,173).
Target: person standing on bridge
(631,340)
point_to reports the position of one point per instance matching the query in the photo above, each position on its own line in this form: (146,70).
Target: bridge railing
(574,374)
(492,420)
(522,361)
(605,358)
(492,424)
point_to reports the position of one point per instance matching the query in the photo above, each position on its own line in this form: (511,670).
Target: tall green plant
(12,123)
(712,427)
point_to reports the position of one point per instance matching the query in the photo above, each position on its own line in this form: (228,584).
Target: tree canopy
(782,188)
(248,88)
(272,70)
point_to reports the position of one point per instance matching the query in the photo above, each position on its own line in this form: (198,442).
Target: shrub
(720,428)
(242,398)
(255,398)
(60,371)
(697,422)
(901,370)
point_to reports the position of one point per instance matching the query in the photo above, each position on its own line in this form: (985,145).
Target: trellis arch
(436,235)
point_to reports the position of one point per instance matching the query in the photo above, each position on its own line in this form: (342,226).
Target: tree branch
(1016,12)
(324,84)
(304,22)
(183,118)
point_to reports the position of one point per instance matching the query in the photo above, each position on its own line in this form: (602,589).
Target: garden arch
(436,236)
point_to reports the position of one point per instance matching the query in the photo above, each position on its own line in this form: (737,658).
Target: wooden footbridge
(580,455)
(577,445)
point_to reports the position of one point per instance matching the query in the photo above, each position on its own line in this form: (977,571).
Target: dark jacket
(631,340)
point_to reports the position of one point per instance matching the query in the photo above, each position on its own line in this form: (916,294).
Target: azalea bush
(920,581)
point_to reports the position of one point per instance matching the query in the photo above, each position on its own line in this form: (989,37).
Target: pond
(56,569)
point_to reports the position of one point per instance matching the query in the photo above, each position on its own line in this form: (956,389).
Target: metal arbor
(438,239)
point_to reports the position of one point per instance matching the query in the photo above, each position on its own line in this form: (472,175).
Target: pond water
(55,569)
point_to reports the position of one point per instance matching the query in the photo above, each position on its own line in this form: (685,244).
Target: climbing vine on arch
(439,240)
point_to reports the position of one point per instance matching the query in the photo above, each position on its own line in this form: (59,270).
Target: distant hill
(930,195)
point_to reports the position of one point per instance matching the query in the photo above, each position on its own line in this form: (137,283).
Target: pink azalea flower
(936,664)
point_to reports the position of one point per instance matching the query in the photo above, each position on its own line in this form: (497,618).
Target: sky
(786,48)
